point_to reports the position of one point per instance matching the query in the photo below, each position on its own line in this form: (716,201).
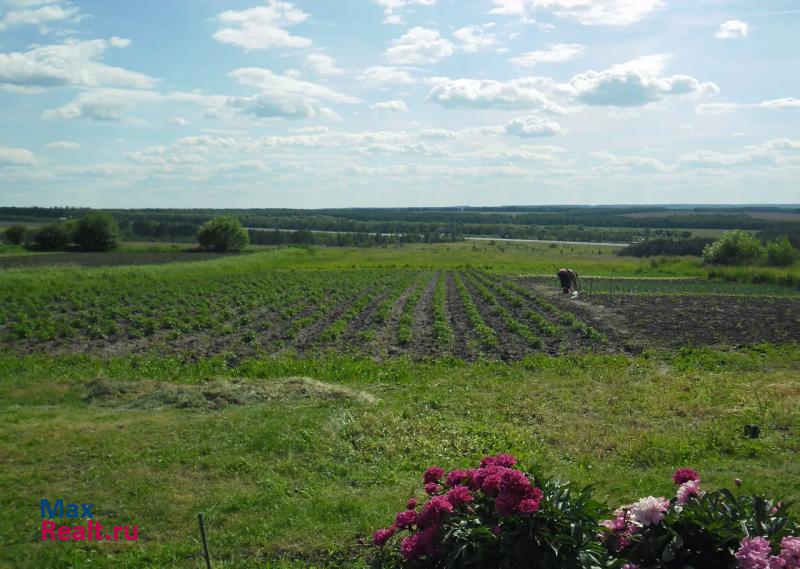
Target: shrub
(735,247)
(15,234)
(694,529)
(498,517)
(781,252)
(223,233)
(96,232)
(51,237)
(492,516)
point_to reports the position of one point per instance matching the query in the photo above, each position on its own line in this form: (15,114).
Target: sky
(392,103)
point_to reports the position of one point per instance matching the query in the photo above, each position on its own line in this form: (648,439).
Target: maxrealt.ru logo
(91,530)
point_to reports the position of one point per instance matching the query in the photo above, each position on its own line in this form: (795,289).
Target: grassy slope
(300,477)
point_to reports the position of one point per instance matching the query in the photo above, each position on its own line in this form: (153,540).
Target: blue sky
(265,103)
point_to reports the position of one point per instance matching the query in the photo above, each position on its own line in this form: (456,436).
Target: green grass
(302,479)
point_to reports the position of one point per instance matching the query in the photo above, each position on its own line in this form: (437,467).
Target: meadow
(293,395)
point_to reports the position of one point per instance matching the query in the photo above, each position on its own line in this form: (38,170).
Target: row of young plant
(511,323)
(501,516)
(564,317)
(405,324)
(485,333)
(442,331)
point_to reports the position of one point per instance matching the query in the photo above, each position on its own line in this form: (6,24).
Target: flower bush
(499,516)
(495,515)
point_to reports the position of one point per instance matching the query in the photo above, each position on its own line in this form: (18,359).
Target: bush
(15,234)
(735,247)
(697,529)
(781,253)
(493,516)
(499,517)
(51,237)
(96,232)
(223,233)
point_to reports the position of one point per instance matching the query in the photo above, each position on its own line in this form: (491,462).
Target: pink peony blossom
(459,495)
(405,519)
(790,552)
(433,474)
(755,554)
(433,511)
(649,510)
(529,506)
(381,536)
(683,475)
(432,487)
(688,490)
(419,544)
(499,460)
(411,504)
(465,477)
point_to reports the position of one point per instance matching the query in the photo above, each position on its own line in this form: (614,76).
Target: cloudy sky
(265,103)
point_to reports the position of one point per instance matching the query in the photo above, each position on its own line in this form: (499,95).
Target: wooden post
(203,539)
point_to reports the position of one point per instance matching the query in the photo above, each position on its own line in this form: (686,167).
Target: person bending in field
(569,280)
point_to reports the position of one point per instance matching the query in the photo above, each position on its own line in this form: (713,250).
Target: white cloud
(379,75)
(555,53)
(39,17)
(64,145)
(322,64)
(732,29)
(69,64)
(391,6)
(262,27)
(632,84)
(475,38)
(283,96)
(523,93)
(281,86)
(396,106)
(418,46)
(119,42)
(586,12)
(788,103)
(631,162)
(179,121)
(108,104)
(529,126)
(16,157)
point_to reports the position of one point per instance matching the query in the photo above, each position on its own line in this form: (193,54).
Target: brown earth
(106,259)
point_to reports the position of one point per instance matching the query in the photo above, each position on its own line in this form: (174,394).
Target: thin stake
(203,538)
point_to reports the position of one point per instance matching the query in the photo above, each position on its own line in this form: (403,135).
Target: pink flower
(433,511)
(649,510)
(433,474)
(419,544)
(688,490)
(464,477)
(529,506)
(405,519)
(790,552)
(497,530)
(459,495)
(499,460)
(381,536)
(411,504)
(432,487)
(683,475)
(755,554)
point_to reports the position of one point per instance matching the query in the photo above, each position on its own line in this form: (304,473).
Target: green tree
(781,252)
(223,233)
(735,247)
(96,232)
(52,237)
(15,234)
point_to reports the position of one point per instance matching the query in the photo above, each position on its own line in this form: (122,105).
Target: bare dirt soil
(106,259)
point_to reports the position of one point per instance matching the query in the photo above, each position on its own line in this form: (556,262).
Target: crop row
(486,334)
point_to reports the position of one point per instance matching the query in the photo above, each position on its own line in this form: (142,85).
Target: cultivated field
(293,395)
